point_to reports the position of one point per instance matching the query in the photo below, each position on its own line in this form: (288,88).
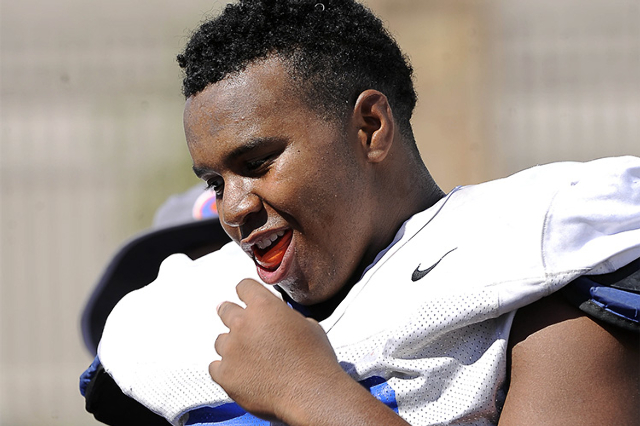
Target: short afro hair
(336,49)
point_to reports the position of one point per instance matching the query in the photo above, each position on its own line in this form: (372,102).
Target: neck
(411,193)
(322,310)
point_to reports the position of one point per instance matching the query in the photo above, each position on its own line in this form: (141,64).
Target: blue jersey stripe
(226,414)
(232,414)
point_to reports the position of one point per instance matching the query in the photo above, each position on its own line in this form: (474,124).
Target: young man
(400,300)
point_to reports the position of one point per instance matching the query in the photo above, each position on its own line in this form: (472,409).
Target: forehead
(263,90)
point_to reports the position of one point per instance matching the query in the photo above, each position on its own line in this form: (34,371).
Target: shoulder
(567,368)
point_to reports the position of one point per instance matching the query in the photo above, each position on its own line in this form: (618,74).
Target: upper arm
(568,369)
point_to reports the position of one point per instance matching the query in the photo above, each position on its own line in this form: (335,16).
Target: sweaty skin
(277,166)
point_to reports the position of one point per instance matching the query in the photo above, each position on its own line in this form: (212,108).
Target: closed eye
(216,184)
(255,165)
(260,165)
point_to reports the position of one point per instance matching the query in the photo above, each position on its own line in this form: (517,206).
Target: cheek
(292,184)
(319,188)
(335,206)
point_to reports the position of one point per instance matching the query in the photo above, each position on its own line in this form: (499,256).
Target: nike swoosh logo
(419,274)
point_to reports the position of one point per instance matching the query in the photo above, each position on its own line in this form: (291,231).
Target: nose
(238,203)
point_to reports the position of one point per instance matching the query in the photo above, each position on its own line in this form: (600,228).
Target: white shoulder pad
(159,340)
(595,216)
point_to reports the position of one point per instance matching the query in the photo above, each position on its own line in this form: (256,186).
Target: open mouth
(268,253)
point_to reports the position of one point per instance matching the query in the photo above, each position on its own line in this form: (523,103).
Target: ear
(376,126)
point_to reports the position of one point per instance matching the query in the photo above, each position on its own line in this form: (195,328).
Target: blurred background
(91,139)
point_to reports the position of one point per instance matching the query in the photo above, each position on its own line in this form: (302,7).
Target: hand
(273,359)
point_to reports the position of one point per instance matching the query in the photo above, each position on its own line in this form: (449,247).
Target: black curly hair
(336,49)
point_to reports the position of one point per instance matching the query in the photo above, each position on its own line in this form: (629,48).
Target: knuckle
(236,322)
(219,343)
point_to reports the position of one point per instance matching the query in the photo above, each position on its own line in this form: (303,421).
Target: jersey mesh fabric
(445,364)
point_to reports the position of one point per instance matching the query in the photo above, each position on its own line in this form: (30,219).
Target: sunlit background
(92,142)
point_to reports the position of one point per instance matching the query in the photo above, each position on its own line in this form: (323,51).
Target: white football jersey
(426,327)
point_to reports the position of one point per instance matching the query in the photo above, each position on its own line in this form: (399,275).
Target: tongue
(271,257)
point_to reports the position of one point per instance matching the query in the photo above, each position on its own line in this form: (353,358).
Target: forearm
(338,401)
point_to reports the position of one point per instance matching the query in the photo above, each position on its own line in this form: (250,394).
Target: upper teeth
(268,240)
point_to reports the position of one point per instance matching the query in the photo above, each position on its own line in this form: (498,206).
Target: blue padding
(226,414)
(382,391)
(88,374)
(619,302)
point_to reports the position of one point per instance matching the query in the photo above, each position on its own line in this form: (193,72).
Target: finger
(214,370)
(228,312)
(220,343)
(249,290)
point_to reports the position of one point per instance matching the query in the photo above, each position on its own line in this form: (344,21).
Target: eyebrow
(201,171)
(247,146)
